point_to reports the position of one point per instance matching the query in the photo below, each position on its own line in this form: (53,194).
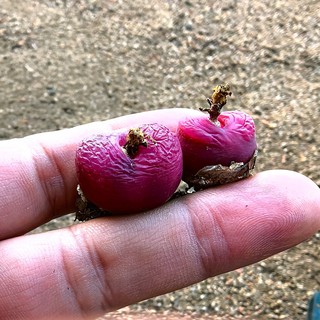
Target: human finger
(86,270)
(37,173)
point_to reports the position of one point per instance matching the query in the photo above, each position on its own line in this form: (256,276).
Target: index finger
(37,173)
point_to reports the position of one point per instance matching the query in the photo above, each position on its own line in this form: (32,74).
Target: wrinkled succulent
(219,148)
(129,171)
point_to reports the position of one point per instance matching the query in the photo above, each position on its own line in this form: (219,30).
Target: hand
(88,269)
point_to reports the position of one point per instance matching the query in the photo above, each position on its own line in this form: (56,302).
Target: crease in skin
(51,177)
(211,240)
(85,275)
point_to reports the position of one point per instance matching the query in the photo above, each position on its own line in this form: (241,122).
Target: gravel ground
(67,62)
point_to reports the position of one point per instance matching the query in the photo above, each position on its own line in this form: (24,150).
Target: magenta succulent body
(204,143)
(119,183)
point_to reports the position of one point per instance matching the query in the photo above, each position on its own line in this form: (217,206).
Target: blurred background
(69,62)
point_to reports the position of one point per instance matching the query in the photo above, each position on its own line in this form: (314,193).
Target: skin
(85,270)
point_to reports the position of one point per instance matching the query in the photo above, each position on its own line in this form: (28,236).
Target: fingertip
(294,196)
(301,196)
(254,218)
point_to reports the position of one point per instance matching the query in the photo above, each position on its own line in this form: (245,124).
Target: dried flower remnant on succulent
(217,101)
(135,138)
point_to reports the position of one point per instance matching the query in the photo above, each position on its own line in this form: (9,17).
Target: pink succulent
(222,138)
(130,171)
